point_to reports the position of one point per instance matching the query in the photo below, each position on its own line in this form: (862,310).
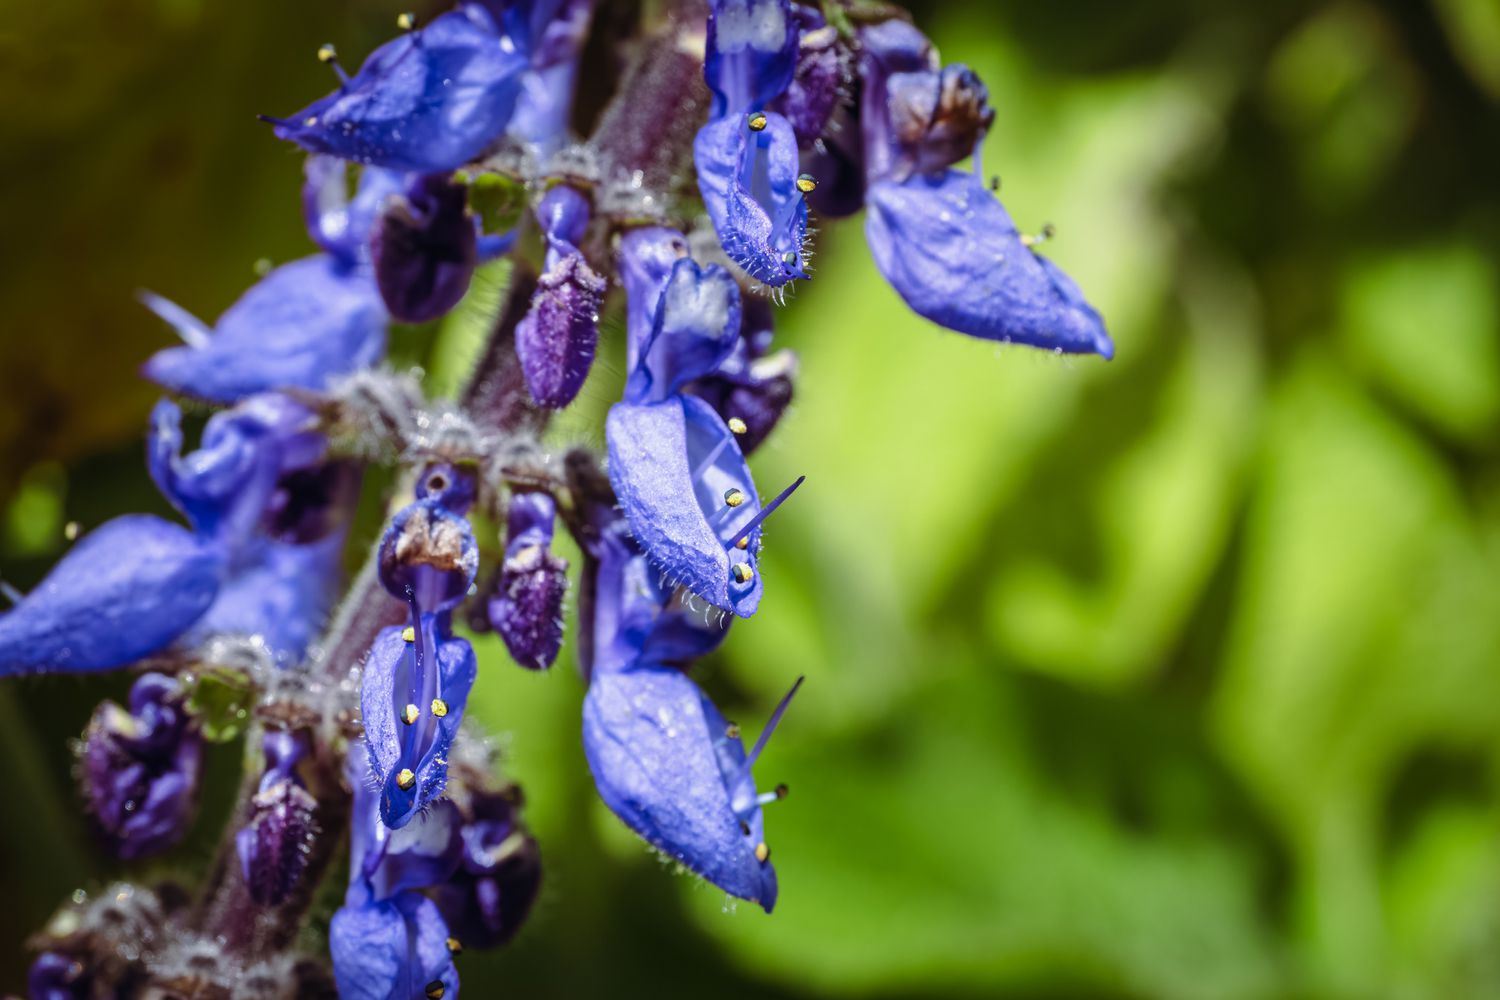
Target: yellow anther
(733,497)
(757,122)
(409,634)
(410,714)
(737,425)
(327,53)
(435,990)
(732,731)
(454,946)
(742,572)
(762,852)
(439,707)
(310,121)
(807,183)
(406,20)
(743,543)
(405,779)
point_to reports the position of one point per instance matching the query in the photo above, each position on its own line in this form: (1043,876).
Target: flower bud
(485,902)
(139,769)
(526,607)
(821,79)
(273,846)
(938,118)
(424,249)
(557,338)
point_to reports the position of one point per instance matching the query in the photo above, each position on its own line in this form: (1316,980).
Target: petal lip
(652,741)
(128,589)
(950,249)
(677,513)
(426,102)
(300,326)
(748,180)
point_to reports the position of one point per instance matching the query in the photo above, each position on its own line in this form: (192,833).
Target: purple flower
(425,249)
(526,607)
(139,769)
(556,339)
(667,763)
(55,976)
(300,326)
(427,102)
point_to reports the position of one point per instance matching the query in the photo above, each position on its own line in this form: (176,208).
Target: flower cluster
(450,146)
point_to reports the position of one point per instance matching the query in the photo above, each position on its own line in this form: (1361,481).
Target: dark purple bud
(489,897)
(938,118)
(311,504)
(557,338)
(526,607)
(139,769)
(274,845)
(428,555)
(55,976)
(424,250)
(821,82)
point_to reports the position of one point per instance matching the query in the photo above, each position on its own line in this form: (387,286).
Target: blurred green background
(1172,677)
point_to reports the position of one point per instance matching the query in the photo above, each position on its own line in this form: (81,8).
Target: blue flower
(417,678)
(300,326)
(389,941)
(559,334)
(942,240)
(673,462)
(261,558)
(427,102)
(746,156)
(139,769)
(526,606)
(948,246)
(667,763)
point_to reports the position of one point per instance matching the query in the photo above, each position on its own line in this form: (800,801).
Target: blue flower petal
(127,590)
(696,328)
(748,180)
(283,593)
(430,669)
(751,53)
(948,246)
(391,949)
(675,468)
(428,101)
(664,763)
(339,224)
(646,258)
(302,325)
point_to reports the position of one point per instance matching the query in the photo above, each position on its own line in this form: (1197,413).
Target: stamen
(756,121)
(762,852)
(409,634)
(732,731)
(10,593)
(765,512)
(743,543)
(405,779)
(407,21)
(310,121)
(744,828)
(328,54)
(807,183)
(1048,231)
(192,330)
(71,530)
(410,714)
(736,425)
(435,990)
(734,497)
(765,735)
(439,708)
(742,572)
(455,947)
(766,798)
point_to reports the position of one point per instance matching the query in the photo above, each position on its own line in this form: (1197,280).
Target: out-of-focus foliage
(1174,677)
